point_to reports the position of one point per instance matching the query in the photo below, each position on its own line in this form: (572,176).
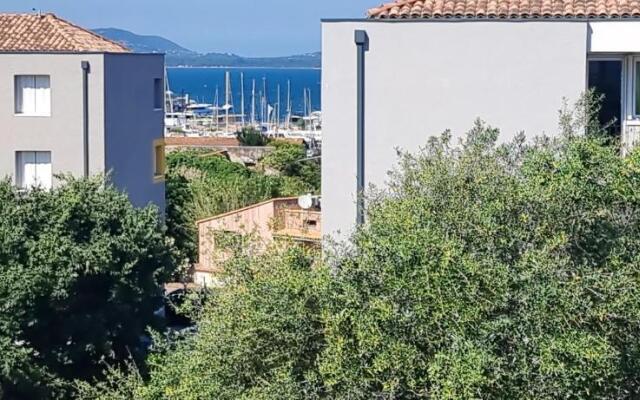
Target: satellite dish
(305,202)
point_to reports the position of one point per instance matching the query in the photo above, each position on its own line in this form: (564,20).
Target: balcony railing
(299,224)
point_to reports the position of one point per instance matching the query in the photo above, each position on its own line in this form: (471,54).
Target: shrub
(250,136)
(81,273)
(483,271)
(258,338)
(493,272)
(290,160)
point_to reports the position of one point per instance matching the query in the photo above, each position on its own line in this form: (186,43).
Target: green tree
(290,159)
(493,272)
(81,273)
(483,271)
(259,337)
(250,136)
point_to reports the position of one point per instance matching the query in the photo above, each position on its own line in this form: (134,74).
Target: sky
(245,27)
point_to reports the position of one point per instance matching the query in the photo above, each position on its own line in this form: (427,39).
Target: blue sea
(201,83)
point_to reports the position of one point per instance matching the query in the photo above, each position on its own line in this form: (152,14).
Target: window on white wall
(33,95)
(33,168)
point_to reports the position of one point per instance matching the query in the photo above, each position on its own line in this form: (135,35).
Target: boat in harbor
(188,117)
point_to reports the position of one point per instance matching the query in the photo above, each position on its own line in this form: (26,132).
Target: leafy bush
(290,159)
(258,338)
(483,271)
(493,272)
(250,136)
(81,273)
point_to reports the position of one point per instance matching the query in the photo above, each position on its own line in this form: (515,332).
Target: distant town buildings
(74,102)
(413,69)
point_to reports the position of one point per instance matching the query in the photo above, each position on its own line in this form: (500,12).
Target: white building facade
(72,102)
(426,70)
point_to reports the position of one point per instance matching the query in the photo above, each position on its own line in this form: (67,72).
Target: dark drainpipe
(85,115)
(362,45)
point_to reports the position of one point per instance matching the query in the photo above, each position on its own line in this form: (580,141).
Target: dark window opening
(605,76)
(158,94)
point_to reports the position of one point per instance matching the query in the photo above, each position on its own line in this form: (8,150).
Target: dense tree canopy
(81,274)
(493,272)
(483,271)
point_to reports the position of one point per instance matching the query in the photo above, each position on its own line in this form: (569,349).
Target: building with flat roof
(412,69)
(74,102)
(280,219)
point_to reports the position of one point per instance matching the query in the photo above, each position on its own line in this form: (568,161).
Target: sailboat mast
(216,108)
(253,103)
(265,101)
(304,96)
(226,100)
(288,104)
(261,97)
(167,90)
(242,96)
(278,110)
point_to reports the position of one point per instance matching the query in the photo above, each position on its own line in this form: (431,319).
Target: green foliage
(179,217)
(484,271)
(201,185)
(493,272)
(81,271)
(285,157)
(290,160)
(250,136)
(259,338)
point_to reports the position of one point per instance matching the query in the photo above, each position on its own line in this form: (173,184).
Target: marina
(279,103)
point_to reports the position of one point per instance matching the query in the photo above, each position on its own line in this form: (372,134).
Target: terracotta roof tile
(48,33)
(506,9)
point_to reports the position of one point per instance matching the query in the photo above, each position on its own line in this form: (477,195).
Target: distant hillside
(177,55)
(144,44)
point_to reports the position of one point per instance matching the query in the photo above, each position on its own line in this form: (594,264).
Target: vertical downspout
(85,115)
(362,45)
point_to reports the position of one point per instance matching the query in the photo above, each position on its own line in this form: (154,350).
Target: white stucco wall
(62,132)
(614,36)
(425,77)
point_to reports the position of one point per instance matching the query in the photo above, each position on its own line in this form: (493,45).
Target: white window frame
(632,113)
(623,80)
(19,110)
(628,83)
(19,165)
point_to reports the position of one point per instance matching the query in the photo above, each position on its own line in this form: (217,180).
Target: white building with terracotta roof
(412,69)
(74,102)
